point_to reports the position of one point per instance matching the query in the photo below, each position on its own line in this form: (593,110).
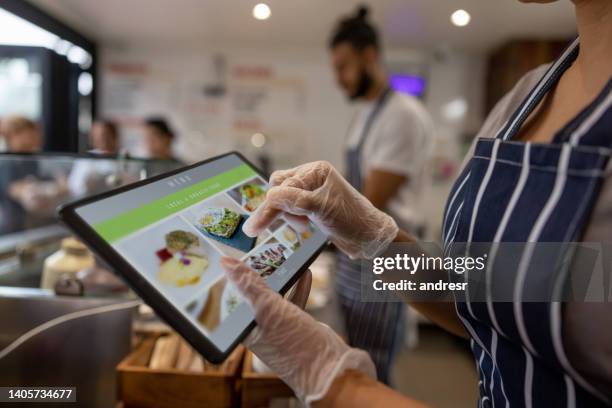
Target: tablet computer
(166,236)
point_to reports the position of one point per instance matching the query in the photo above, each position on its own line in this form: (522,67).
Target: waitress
(389,130)
(539,171)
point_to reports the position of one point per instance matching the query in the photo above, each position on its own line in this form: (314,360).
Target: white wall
(306,115)
(454,77)
(302,111)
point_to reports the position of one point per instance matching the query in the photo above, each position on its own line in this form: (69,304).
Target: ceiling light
(258,140)
(17,31)
(262,11)
(460,18)
(62,47)
(85,83)
(79,56)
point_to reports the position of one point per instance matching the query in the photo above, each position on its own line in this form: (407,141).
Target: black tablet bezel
(162,306)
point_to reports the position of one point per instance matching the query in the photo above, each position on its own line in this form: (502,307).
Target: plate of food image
(211,315)
(225,225)
(182,262)
(291,236)
(252,196)
(230,300)
(268,258)
(301,225)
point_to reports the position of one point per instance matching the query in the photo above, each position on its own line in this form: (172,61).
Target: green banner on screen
(138,218)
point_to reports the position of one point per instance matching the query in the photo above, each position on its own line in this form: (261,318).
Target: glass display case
(33,186)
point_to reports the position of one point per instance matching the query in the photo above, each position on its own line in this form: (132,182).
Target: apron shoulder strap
(534,97)
(378,107)
(354,154)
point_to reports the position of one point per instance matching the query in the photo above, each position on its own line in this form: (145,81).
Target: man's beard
(365,83)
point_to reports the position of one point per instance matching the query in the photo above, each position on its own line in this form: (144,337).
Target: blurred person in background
(21,135)
(387,150)
(104,137)
(90,175)
(158,139)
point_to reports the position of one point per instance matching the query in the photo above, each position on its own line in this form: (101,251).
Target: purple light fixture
(408,84)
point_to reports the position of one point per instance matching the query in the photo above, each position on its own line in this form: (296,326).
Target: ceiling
(409,23)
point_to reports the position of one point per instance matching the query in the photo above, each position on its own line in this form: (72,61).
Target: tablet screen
(175,230)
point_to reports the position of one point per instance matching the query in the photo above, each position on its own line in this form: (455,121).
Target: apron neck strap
(378,106)
(550,78)
(354,154)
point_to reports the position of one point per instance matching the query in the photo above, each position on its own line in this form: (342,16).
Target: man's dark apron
(374,327)
(515,192)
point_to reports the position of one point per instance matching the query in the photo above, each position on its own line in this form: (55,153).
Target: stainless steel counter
(82,352)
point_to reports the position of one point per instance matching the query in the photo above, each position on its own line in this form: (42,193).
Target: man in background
(158,139)
(387,149)
(104,137)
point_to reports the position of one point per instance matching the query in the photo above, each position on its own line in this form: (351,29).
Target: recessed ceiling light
(258,140)
(262,11)
(460,18)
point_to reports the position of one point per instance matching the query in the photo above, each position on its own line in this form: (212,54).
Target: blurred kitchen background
(235,75)
(226,80)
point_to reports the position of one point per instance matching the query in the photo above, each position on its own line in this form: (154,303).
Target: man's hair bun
(356,30)
(362,12)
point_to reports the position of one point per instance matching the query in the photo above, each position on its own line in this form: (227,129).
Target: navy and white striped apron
(372,326)
(526,192)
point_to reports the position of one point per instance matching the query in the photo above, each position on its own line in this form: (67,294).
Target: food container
(142,386)
(259,389)
(72,257)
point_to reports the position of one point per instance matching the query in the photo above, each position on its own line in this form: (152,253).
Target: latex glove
(304,353)
(318,191)
(298,295)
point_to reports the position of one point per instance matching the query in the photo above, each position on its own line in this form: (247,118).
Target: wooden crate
(140,386)
(258,389)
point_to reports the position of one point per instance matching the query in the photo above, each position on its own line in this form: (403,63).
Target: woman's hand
(317,191)
(307,355)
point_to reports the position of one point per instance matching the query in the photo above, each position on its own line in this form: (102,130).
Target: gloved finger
(303,179)
(277,177)
(292,182)
(310,175)
(292,200)
(313,175)
(260,219)
(250,284)
(288,199)
(299,294)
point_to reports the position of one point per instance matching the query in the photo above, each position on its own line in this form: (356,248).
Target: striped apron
(526,192)
(372,326)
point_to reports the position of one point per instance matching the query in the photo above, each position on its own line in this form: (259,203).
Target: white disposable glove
(316,190)
(304,353)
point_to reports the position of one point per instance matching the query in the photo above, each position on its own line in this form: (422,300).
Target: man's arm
(380,186)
